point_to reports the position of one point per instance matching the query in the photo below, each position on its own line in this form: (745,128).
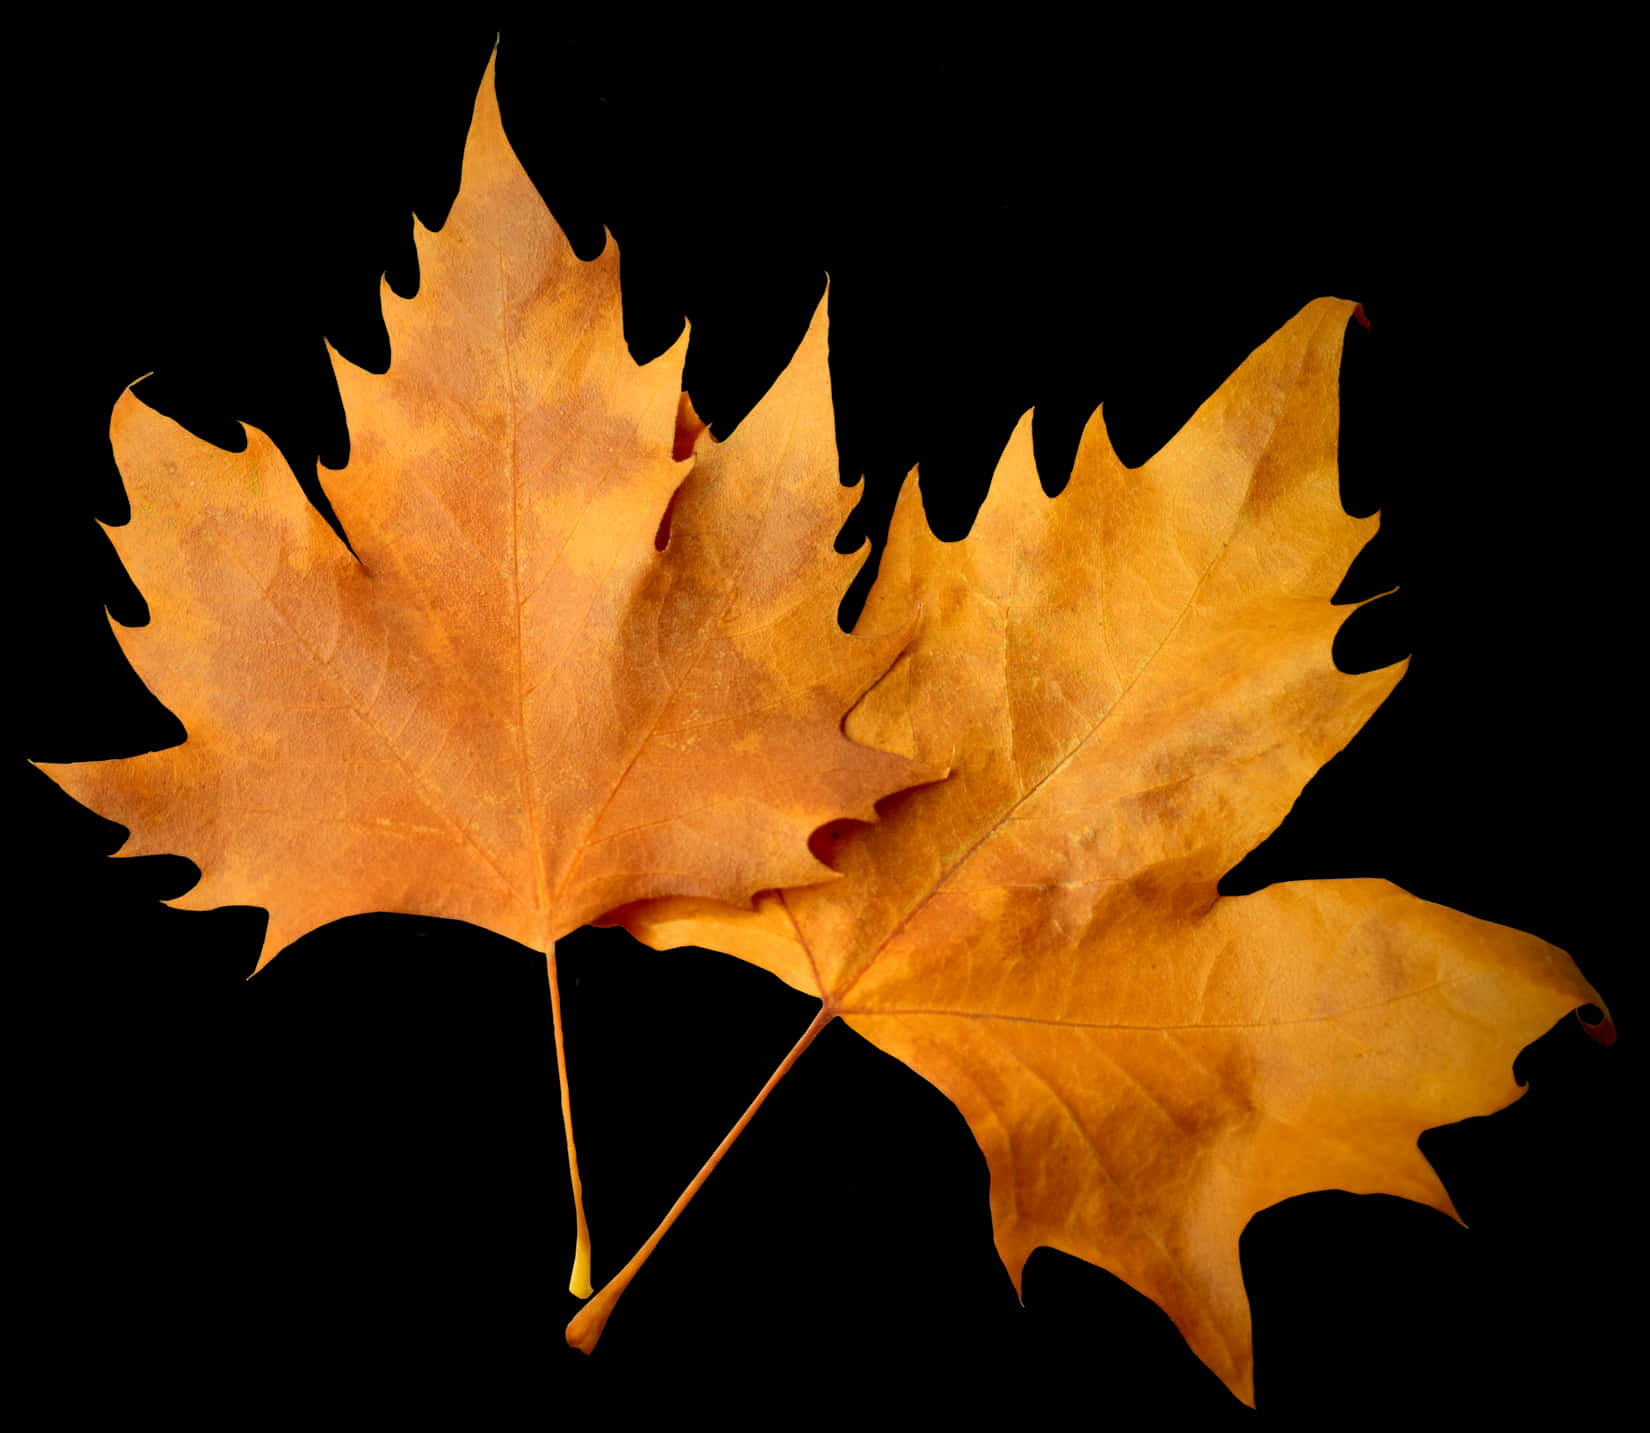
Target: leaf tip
(693,435)
(1602,1029)
(1094,445)
(267,951)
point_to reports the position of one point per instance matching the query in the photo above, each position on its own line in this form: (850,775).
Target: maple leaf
(565,667)
(1131,684)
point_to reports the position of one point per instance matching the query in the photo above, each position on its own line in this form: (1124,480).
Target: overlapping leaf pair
(583,664)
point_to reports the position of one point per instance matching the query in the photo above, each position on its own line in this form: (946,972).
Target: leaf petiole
(587,1325)
(579,1284)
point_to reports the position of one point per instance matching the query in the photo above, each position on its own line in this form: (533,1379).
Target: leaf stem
(587,1325)
(579,1285)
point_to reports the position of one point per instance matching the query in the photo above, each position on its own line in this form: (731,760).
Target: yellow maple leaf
(1131,684)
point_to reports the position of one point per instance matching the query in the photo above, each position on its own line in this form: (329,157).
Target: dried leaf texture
(562,670)
(1131,684)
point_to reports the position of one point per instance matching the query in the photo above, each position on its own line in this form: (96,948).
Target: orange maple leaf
(1131,683)
(567,666)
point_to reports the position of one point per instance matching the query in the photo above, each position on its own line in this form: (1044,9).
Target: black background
(340,1187)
